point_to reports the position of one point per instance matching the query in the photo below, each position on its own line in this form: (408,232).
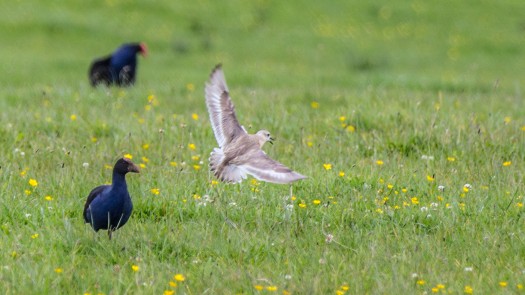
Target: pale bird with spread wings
(239,153)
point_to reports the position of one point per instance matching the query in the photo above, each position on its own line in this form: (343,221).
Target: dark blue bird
(109,206)
(118,68)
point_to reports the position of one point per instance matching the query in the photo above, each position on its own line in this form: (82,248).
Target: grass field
(408,118)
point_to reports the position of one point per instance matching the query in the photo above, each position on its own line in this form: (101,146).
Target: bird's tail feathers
(226,173)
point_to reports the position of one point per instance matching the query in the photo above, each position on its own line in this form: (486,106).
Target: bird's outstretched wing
(220,107)
(265,168)
(92,195)
(99,72)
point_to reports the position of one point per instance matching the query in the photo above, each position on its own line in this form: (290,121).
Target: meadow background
(407,117)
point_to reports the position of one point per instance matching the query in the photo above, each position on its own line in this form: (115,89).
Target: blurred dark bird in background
(118,68)
(109,206)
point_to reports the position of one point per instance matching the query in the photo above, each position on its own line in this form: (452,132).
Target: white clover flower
(423,209)
(329,238)
(428,158)
(85,164)
(467,185)
(441,188)
(469,268)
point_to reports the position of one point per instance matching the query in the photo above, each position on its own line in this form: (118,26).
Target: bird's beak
(271,140)
(134,168)
(143,49)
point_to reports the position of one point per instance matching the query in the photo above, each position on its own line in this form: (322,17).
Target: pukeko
(109,206)
(118,68)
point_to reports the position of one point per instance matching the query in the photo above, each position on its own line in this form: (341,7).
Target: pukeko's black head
(136,48)
(124,165)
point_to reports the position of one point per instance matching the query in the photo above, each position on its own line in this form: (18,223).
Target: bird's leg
(109,233)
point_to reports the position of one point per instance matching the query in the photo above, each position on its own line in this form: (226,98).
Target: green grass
(439,79)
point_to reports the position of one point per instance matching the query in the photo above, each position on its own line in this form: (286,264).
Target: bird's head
(264,136)
(124,165)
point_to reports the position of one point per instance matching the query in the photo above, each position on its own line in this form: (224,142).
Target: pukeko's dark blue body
(119,68)
(109,206)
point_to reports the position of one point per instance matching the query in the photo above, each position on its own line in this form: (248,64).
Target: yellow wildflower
(94,139)
(507,120)
(197,167)
(316,202)
(145,160)
(155,191)
(129,156)
(27,192)
(258,287)
(341,173)
(350,128)
(379,162)
(168,292)
(190,87)
(192,146)
(414,200)
(421,282)
(48,198)
(314,105)
(345,287)
(302,205)
(173,164)
(59,270)
(194,116)
(507,163)
(179,277)
(73,117)
(430,178)
(196,157)
(33,182)
(468,290)
(34,236)
(327,166)
(271,288)
(135,268)
(342,118)
(503,284)
(145,146)
(451,159)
